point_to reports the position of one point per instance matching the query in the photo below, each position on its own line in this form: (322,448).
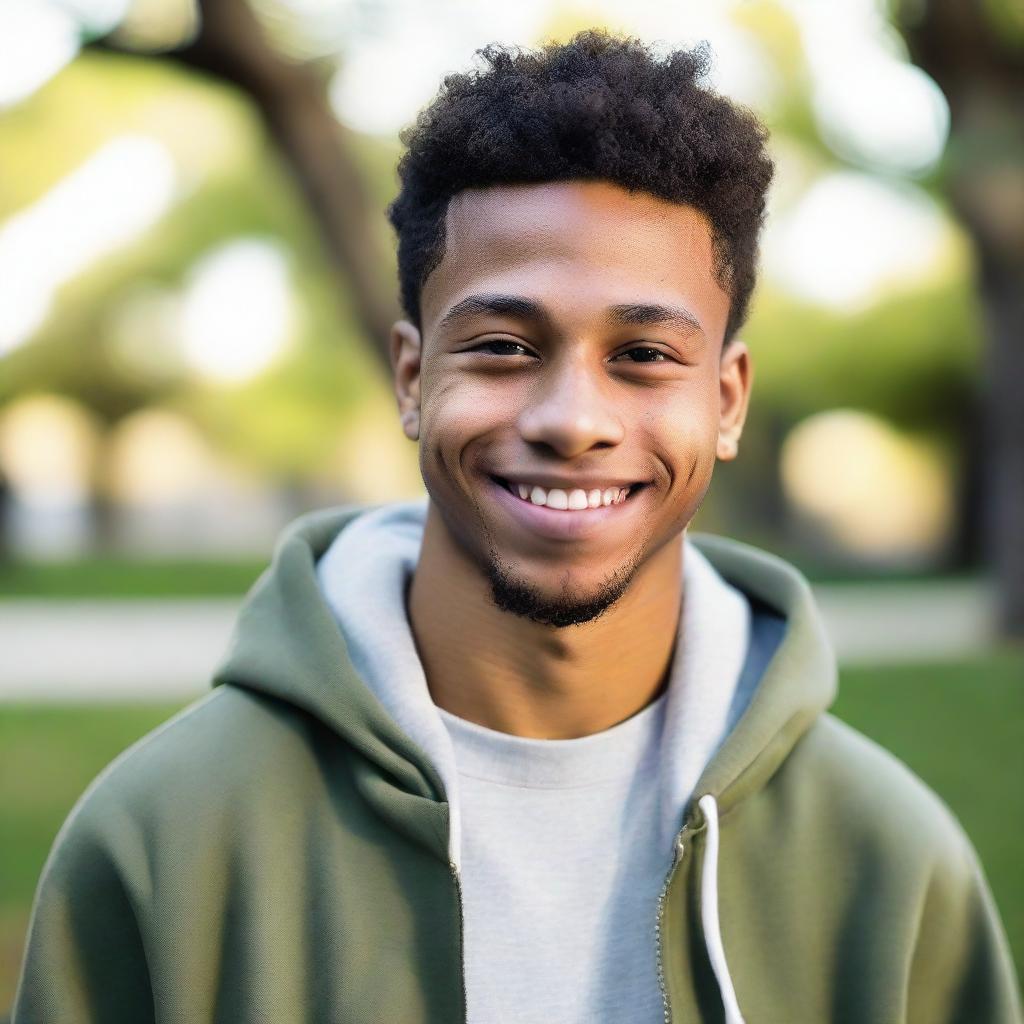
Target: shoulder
(868,797)
(190,768)
(228,726)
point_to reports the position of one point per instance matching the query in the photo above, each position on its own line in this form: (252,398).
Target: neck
(521,677)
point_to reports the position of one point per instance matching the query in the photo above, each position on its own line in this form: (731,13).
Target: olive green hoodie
(278,852)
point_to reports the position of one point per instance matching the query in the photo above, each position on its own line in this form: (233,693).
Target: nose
(573,409)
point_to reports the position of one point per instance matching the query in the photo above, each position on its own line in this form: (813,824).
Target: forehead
(592,242)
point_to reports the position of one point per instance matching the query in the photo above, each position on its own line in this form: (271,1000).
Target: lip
(564,524)
(547,481)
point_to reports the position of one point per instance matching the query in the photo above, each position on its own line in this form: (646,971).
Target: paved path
(107,649)
(167,650)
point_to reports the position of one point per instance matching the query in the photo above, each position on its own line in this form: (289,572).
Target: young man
(527,751)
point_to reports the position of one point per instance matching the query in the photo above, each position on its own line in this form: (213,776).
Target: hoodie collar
(286,644)
(364,576)
(798,684)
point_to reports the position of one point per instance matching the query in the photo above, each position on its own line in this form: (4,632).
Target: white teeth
(577,499)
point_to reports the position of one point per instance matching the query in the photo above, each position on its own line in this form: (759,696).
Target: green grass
(104,577)
(960,726)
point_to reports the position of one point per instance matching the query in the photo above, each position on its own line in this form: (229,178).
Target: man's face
(572,334)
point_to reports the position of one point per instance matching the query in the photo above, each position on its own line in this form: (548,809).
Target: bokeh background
(197,278)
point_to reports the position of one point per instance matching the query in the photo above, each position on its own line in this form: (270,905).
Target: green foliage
(1006,18)
(775,32)
(912,358)
(95,97)
(1003,18)
(281,423)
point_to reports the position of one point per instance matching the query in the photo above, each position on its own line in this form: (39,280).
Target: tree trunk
(980,68)
(1003,296)
(6,546)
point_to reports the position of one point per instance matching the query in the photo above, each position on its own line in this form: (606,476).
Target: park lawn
(121,577)
(959,725)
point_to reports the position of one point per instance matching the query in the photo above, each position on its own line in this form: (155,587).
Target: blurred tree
(236,187)
(5,500)
(975,52)
(922,343)
(230,44)
(910,355)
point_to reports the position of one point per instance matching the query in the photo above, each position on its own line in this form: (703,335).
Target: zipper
(678,849)
(462,939)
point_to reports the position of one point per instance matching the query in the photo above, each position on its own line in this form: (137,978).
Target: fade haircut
(599,107)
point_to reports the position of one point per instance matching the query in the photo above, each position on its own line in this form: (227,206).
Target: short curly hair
(599,107)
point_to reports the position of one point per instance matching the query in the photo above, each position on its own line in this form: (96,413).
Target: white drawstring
(709,912)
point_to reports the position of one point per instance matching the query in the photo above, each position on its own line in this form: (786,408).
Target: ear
(404,351)
(736,376)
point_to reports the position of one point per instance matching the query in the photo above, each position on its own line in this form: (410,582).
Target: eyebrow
(514,306)
(649,314)
(627,314)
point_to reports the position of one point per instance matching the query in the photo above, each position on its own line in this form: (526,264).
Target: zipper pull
(679,848)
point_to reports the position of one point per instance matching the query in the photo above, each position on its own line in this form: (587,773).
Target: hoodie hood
(287,644)
(365,574)
(799,683)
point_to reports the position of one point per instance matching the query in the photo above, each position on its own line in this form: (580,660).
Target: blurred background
(197,279)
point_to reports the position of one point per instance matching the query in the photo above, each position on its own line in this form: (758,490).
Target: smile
(576,499)
(563,514)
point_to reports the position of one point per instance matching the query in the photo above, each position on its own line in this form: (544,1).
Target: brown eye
(647,348)
(501,342)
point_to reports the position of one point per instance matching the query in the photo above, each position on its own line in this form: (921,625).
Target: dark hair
(600,107)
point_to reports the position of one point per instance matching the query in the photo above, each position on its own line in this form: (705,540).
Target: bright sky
(846,238)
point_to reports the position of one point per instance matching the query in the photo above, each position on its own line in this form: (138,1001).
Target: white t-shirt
(560,877)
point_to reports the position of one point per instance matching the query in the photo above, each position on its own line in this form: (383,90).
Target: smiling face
(571,337)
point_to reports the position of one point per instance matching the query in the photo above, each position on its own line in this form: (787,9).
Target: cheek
(456,409)
(682,438)
(455,420)
(683,431)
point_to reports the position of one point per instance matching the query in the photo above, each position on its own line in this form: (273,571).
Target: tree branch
(291,98)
